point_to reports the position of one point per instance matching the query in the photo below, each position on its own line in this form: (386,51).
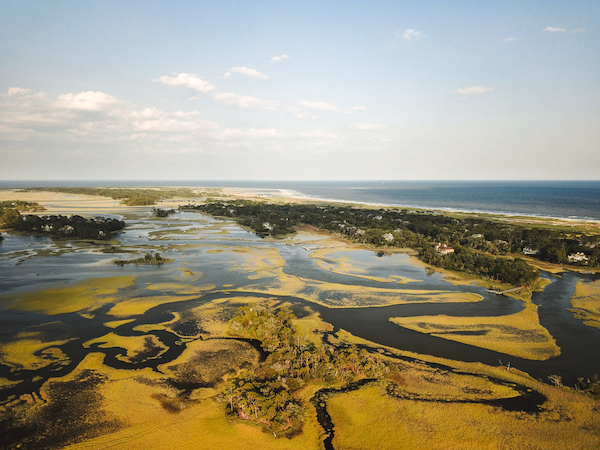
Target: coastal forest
(266,395)
(483,247)
(59,226)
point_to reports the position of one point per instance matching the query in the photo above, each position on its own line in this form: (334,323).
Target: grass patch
(85,295)
(205,363)
(117,323)
(138,348)
(171,405)
(368,419)
(140,305)
(333,259)
(518,334)
(336,295)
(586,303)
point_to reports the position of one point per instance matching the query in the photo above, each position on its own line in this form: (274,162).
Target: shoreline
(59,203)
(290,195)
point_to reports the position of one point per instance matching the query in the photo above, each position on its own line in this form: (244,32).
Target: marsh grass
(337,295)
(586,303)
(333,259)
(368,419)
(30,351)
(82,296)
(171,405)
(205,363)
(117,323)
(138,348)
(140,305)
(518,334)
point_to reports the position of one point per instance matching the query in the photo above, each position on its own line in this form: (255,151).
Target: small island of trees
(266,395)
(58,226)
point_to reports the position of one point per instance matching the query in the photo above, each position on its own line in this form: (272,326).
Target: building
(443,249)
(578,257)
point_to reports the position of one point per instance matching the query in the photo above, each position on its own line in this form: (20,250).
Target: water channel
(192,241)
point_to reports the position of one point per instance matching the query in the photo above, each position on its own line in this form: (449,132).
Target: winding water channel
(23,267)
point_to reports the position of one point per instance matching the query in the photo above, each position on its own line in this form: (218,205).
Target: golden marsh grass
(586,303)
(368,419)
(83,296)
(518,334)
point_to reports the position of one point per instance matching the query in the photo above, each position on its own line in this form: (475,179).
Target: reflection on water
(208,251)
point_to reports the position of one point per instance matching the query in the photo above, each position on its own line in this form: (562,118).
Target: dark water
(580,344)
(561,199)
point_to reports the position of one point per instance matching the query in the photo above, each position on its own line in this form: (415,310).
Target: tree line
(75,227)
(484,247)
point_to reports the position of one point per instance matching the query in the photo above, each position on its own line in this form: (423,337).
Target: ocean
(578,200)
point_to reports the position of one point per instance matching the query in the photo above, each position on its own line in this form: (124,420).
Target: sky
(278,90)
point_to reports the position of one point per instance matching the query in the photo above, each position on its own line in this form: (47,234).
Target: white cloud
(367,126)
(355,109)
(188,80)
(299,113)
(251,133)
(279,58)
(157,121)
(319,135)
(87,101)
(66,118)
(411,34)
(321,106)
(227,74)
(16,91)
(475,90)
(510,39)
(554,30)
(249,72)
(244,101)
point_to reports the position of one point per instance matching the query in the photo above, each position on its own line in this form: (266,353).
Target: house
(578,257)
(443,249)
(529,251)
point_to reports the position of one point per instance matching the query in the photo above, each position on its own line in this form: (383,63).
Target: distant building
(529,251)
(578,257)
(443,249)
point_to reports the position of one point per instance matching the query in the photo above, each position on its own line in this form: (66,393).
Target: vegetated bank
(475,245)
(266,395)
(274,395)
(59,226)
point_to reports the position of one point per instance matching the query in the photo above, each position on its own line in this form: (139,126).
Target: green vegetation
(162,212)
(148,258)
(21,206)
(128,196)
(74,227)
(482,247)
(267,395)
(590,386)
(8,217)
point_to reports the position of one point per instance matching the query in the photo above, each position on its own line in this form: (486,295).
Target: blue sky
(278,90)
